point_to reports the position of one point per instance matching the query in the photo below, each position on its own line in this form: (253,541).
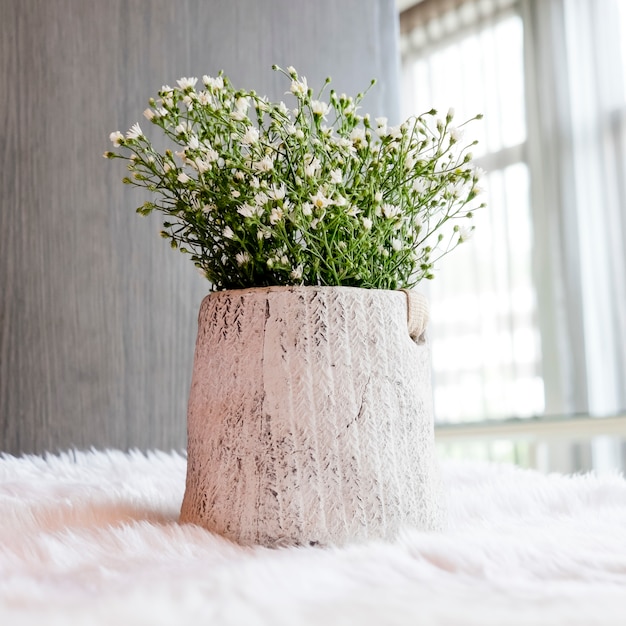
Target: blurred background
(528,332)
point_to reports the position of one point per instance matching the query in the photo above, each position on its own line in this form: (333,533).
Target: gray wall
(97,314)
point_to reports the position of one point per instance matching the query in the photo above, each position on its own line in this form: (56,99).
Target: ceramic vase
(310,417)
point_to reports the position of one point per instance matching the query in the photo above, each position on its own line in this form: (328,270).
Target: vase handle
(417,314)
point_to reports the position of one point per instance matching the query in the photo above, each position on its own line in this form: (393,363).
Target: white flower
(378,196)
(307,209)
(276,215)
(313,165)
(247,210)
(251,136)
(291,70)
(182,155)
(186,83)
(277,193)
(211,155)
(357,136)
(336,176)
(242,258)
(242,104)
(228,232)
(320,108)
(183,178)
(395,132)
(409,162)
(202,165)
(264,165)
(254,182)
(235,193)
(134,132)
(262,104)
(181,129)
(390,211)
(340,201)
(478,173)
(299,88)
(382,131)
(353,211)
(456,189)
(456,134)
(367,223)
(167,167)
(450,114)
(465,233)
(344,142)
(282,109)
(419,185)
(204,98)
(381,121)
(261,198)
(149,114)
(116,138)
(320,201)
(216,84)
(296,273)
(188,102)
(396,244)
(194,143)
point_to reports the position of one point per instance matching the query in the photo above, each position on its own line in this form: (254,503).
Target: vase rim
(300,288)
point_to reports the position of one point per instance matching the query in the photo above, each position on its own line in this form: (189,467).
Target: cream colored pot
(310,418)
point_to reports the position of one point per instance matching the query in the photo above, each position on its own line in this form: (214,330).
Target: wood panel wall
(97,314)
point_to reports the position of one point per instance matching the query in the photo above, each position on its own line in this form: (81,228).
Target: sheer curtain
(577,140)
(551,251)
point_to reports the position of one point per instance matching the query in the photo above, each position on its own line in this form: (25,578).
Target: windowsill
(571,427)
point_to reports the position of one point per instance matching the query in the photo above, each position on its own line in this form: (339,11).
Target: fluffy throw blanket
(92,539)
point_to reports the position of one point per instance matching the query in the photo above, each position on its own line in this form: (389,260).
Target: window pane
(485,342)
(484,334)
(481,72)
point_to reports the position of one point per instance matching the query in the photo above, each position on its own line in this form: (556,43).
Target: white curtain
(577,143)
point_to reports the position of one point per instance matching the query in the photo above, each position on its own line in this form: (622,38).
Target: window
(485,337)
(529,319)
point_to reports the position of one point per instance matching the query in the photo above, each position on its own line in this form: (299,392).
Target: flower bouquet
(261,194)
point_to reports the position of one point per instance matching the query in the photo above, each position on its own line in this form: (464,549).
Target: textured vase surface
(310,417)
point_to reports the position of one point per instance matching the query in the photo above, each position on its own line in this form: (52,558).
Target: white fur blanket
(92,539)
